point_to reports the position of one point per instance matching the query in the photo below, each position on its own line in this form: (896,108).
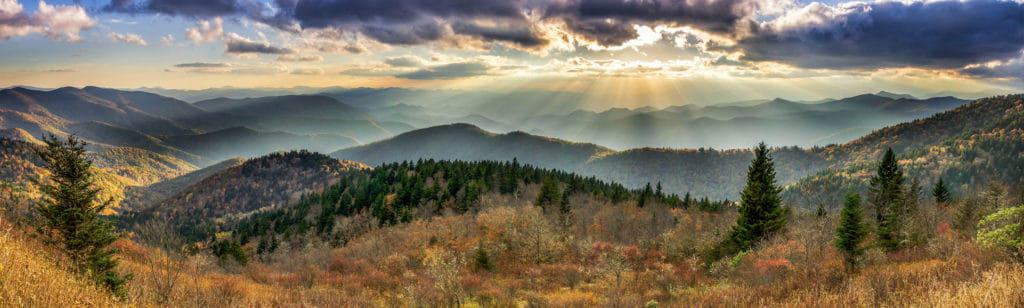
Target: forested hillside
(140,198)
(109,118)
(701,172)
(262,183)
(468,142)
(117,170)
(969,147)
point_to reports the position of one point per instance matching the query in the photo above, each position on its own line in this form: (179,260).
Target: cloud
(514,22)
(190,8)
(167,40)
(58,22)
(945,34)
(342,13)
(299,58)
(405,61)
(307,71)
(522,35)
(201,65)
(610,22)
(1013,68)
(228,68)
(448,71)
(933,34)
(411,34)
(239,44)
(129,38)
(206,31)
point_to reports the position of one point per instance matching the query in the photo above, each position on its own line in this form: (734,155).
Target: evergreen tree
(760,213)
(482,260)
(548,193)
(941,193)
(644,195)
(851,231)
(888,199)
(966,216)
(71,213)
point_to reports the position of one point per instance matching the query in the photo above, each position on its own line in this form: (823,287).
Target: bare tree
(166,266)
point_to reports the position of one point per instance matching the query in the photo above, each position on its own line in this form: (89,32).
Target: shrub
(1003,230)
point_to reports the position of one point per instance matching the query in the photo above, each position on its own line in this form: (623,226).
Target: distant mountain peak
(894,95)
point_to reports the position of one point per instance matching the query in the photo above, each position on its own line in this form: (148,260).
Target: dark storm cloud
(448,71)
(190,8)
(521,35)
(340,13)
(1009,69)
(609,22)
(410,34)
(406,22)
(948,34)
(934,34)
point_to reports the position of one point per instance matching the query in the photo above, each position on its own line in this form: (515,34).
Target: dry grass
(30,277)
(537,262)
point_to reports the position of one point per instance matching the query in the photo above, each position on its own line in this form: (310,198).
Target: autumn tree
(760,213)
(71,212)
(888,199)
(851,231)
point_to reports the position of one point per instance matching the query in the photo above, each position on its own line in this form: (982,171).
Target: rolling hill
(109,118)
(468,142)
(969,147)
(258,184)
(242,141)
(778,122)
(313,106)
(703,172)
(141,198)
(117,169)
(974,143)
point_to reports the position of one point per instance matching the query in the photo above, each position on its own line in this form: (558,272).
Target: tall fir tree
(941,193)
(548,193)
(71,212)
(645,195)
(851,232)
(760,213)
(888,198)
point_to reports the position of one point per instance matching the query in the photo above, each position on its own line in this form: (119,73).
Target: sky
(635,52)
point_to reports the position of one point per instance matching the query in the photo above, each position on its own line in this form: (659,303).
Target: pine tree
(941,193)
(71,213)
(966,216)
(851,231)
(888,199)
(548,193)
(644,195)
(761,212)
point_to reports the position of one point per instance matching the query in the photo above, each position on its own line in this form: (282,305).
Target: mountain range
(146,138)
(719,173)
